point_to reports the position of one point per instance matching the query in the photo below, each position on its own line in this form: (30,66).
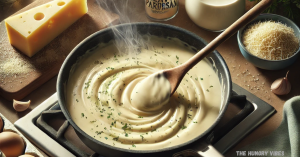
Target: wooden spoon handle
(232,29)
(242,21)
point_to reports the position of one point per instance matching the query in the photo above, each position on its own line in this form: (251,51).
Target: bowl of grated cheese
(270,42)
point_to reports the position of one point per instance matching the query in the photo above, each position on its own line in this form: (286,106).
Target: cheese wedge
(31,30)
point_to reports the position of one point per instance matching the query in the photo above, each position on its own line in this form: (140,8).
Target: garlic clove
(281,86)
(20,106)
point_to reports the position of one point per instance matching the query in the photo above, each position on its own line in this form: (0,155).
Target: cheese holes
(48,5)
(61,3)
(39,16)
(50,24)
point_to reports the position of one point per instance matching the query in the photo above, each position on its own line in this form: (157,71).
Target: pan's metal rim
(61,92)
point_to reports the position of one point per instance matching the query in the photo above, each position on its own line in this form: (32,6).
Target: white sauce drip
(101,88)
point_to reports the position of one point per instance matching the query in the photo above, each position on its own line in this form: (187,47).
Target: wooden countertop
(229,50)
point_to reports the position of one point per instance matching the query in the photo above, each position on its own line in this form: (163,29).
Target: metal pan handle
(208,151)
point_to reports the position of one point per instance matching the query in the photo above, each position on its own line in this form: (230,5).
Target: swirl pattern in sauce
(100,93)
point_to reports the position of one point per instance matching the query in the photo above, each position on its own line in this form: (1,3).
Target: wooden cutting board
(20,75)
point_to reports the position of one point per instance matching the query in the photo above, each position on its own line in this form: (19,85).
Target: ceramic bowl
(264,63)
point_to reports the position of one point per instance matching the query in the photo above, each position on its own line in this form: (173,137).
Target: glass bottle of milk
(214,15)
(161,10)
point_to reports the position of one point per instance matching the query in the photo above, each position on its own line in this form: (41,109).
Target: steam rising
(127,39)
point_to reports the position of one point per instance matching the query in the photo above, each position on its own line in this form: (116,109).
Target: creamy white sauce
(215,15)
(100,91)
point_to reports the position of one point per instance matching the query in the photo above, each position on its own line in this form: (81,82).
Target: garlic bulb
(20,106)
(281,86)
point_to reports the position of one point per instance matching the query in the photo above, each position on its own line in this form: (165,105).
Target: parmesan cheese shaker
(161,10)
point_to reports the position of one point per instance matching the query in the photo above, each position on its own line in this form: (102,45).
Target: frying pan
(164,31)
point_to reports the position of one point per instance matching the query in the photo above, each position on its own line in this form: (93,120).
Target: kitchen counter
(242,72)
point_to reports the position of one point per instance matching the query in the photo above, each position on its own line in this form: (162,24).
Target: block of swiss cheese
(31,30)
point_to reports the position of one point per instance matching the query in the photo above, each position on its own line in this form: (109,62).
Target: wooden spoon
(176,74)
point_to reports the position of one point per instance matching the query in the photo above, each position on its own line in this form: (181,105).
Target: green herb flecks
(109,114)
(114,123)
(99,132)
(116,138)
(126,127)
(110,68)
(87,84)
